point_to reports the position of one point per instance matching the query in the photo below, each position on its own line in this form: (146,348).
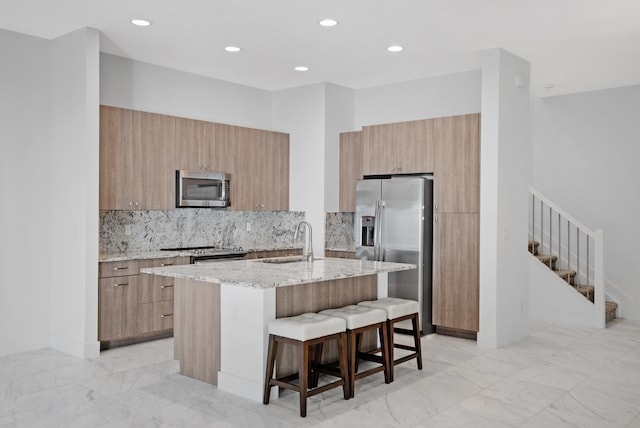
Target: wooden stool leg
(391,339)
(384,349)
(352,360)
(344,372)
(271,361)
(303,372)
(314,374)
(416,340)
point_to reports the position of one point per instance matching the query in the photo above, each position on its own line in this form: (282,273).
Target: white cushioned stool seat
(357,316)
(394,307)
(307,326)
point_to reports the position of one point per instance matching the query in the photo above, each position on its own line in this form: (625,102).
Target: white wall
(25,192)
(585,159)
(301,111)
(339,114)
(504,178)
(74,217)
(147,87)
(426,98)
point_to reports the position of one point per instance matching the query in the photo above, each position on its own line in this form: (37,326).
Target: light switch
(127,230)
(248,227)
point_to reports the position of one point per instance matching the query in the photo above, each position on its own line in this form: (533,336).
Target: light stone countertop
(258,274)
(159,254)
(142,255)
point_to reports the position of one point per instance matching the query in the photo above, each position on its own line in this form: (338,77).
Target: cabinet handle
(435,218)
(166,315)
(166,286)
(166,264)
(121,284)
(435,207)
(121,268)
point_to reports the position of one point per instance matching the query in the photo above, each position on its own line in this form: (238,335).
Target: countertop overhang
(261,274)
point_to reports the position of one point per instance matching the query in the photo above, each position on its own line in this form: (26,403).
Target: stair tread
(565,272)
(546,257)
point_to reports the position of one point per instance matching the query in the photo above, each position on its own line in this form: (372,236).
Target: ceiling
(574,45)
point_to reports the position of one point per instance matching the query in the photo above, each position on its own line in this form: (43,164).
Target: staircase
(570,277)
(572,251)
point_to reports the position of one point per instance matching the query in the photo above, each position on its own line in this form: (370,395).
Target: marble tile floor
(556,377)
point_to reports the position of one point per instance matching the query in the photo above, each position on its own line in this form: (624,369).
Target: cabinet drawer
(156,316)
(156,288)
(168,261)
(128,267)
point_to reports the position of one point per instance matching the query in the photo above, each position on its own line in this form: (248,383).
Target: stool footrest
(403,331)
(405,347)
(405,358)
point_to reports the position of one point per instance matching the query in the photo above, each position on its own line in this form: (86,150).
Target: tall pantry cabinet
(448,147)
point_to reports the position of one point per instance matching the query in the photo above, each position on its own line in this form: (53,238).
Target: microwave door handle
(224,189)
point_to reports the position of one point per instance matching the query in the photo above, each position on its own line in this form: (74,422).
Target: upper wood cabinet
(457,164)
(350,168)
(398,148)
(140,152)
(137,160)
(261,181)
(204,146)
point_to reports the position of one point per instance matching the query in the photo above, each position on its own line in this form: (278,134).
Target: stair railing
(577,247)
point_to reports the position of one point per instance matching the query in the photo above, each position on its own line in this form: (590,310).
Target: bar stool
(361,319)
(400,310)
(308,332)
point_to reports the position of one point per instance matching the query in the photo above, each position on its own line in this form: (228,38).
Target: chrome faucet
(308,247)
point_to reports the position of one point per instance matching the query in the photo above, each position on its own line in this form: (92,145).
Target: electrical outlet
(248,227)
(127,230)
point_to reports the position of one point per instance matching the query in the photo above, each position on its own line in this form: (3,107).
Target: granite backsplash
(193,227)
(339,231)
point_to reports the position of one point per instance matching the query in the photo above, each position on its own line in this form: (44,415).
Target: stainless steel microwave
(203,189)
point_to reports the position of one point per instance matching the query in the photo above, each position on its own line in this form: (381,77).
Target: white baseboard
(77,349)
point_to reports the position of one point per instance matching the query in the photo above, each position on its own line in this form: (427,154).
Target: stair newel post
(598,281)
(568,248)
(577,254)
(559,240)
(533,217)
(550,237)
(541,226)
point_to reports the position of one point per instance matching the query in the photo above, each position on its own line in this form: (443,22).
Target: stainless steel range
(211,254)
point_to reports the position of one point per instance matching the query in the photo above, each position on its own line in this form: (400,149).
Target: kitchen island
(222,310)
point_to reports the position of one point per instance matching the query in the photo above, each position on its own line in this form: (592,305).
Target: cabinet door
(415,146)
(118,307)
(117,157)
(456,271)
(379,148)
(191,146)
(221,153)
(457,164)
(244,186)
(276,180)
(155,184)
(350,168)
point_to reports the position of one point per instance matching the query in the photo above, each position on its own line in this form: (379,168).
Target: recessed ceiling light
(232,49)
(141,22)
(395,48)
(328,22)
(301,68)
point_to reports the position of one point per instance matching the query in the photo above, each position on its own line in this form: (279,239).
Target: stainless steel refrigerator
(394,223)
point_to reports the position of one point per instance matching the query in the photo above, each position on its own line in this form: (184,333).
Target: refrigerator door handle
(377,249)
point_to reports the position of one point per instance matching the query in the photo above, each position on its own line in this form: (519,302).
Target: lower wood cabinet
(456,271)
(340,254)
(273,253)
(133,305)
